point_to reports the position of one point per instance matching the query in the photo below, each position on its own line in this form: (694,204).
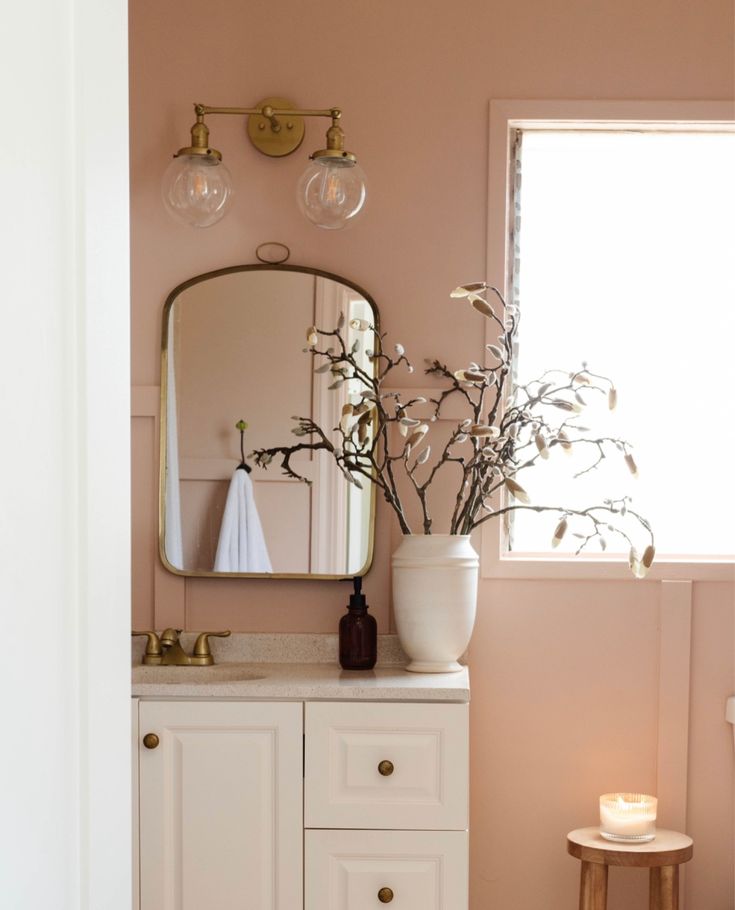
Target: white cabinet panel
(414,870)
(221,806)
(426,746)
(134,745)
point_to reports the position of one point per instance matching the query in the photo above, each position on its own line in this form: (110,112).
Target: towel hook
(241,425)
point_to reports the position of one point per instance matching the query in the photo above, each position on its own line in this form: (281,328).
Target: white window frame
(505,117)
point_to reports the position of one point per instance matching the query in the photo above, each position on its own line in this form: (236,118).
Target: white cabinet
(411,870)
(221,806)
(285,805)
(382,765)
(386,805)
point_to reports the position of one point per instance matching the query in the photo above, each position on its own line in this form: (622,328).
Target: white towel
(241,546)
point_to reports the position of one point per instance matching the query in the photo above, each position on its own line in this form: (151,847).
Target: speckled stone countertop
(293,666)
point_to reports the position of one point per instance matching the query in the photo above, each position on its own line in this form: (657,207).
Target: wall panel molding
(169,591)
(675,631)
(145,400)
(674,693)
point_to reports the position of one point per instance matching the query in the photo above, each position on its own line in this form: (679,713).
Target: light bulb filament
(332,193)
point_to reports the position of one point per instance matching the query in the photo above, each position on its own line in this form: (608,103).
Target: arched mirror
(233,349)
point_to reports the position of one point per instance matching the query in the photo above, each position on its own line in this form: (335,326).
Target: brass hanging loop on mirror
(268,252)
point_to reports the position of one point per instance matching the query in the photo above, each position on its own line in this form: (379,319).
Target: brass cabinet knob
(386,769)
(385,895)
(150,740)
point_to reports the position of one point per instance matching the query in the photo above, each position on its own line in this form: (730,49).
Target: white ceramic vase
(435,599)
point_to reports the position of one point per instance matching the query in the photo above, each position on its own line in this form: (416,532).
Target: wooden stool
(662,856)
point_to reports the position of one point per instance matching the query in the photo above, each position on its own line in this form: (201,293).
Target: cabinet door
(410,870)
(386,765)
(221,806)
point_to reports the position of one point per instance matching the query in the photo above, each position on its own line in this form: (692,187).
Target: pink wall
(563,706)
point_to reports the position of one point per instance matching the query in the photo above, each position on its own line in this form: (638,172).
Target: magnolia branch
(509,427)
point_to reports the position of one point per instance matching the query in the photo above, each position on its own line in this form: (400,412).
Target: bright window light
(625,261)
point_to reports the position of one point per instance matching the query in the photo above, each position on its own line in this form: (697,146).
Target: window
(623,240)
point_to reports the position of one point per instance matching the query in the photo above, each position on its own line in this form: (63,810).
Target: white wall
(64,487)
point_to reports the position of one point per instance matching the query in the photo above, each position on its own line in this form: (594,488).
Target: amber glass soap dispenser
(358,633)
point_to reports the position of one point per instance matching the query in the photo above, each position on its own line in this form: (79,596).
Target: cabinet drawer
(421,749)
(412,870)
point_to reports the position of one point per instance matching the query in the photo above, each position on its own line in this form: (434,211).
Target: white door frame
(64,483)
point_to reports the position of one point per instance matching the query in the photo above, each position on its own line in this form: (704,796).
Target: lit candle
(628,817)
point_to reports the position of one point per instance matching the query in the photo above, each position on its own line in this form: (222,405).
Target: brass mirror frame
(170,300)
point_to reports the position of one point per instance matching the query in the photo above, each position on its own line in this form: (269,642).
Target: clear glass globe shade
(197,189)
(332,192)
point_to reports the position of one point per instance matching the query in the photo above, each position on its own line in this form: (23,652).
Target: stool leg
(664,893)
(593,886)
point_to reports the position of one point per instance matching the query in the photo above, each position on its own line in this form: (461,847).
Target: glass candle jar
(628,817)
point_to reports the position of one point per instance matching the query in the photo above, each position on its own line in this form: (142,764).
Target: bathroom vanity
(273,780)
(271,783)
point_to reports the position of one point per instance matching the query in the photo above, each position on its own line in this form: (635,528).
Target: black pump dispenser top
(357,600)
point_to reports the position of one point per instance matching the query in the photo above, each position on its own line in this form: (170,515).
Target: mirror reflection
(233,350)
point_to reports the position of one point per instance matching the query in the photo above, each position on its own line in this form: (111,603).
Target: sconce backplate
(276,139)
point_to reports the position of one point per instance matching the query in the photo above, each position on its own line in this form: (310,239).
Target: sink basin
(214,674)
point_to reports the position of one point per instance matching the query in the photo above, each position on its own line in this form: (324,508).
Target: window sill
(614,569)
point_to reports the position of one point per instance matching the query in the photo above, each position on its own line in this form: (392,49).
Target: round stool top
(669,848)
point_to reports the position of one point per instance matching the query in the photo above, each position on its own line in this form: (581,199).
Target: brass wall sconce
(197,187)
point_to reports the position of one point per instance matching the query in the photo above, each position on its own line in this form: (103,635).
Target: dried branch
(509,428)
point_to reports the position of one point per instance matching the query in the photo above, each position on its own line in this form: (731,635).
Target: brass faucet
(166,651)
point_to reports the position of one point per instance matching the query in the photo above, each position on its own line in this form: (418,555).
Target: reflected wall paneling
(159,596)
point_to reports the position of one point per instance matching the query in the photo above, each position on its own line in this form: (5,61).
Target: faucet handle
(202,656)
(153,652)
